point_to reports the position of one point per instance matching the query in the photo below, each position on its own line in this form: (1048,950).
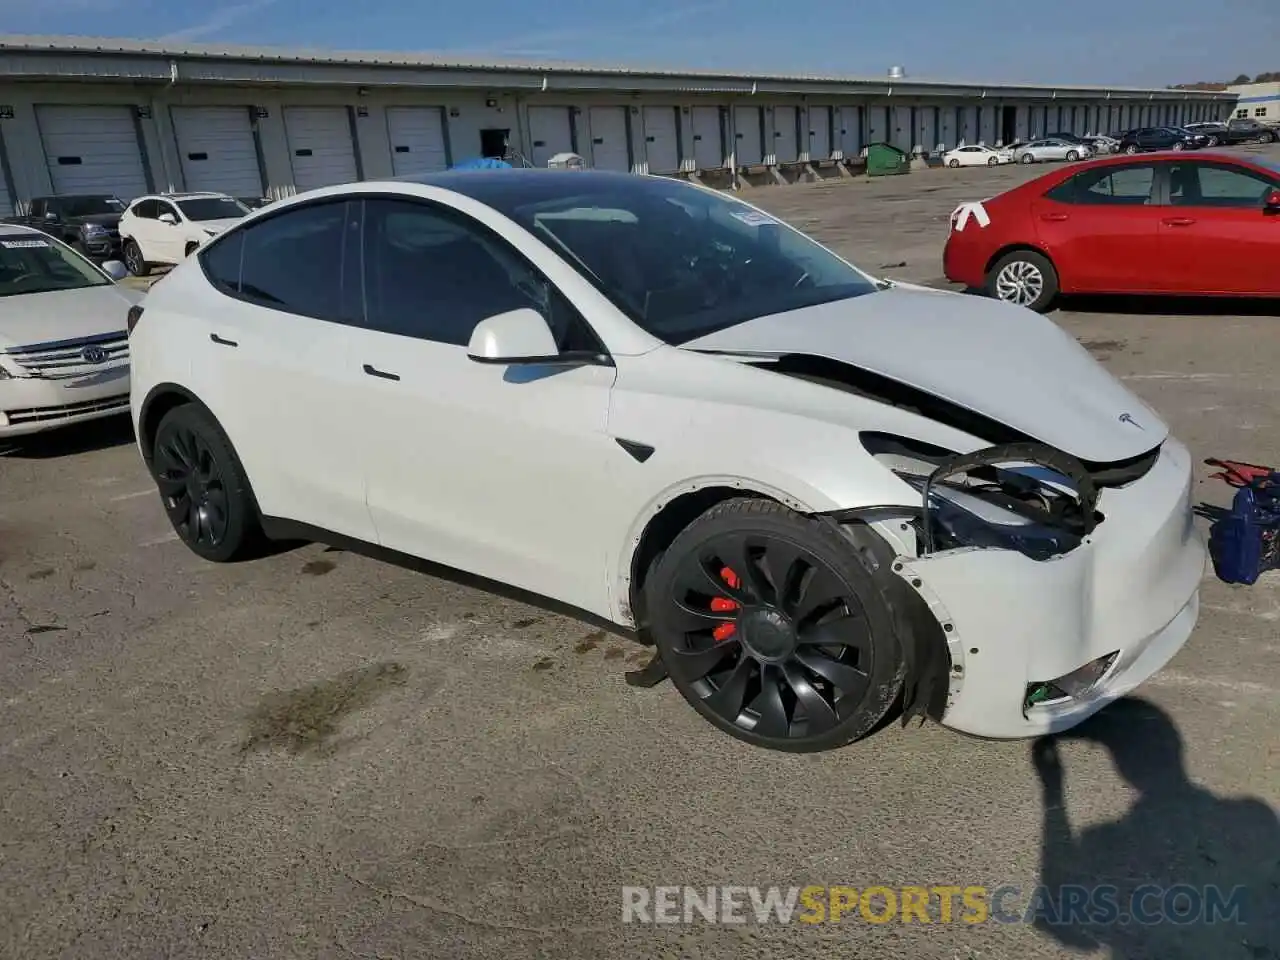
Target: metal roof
(208,53)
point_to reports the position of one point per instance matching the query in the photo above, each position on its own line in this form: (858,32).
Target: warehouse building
(1257,101)
(115,116)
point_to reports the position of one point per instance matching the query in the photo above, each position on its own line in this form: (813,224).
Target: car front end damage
(1042,588)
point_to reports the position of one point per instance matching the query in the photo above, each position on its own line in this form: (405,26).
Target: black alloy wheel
(202,485)
(773,627)
(133,259)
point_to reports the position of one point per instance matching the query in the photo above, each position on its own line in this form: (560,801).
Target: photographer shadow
(1191,875)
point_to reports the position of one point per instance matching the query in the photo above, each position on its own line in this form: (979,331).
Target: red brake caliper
(723,605)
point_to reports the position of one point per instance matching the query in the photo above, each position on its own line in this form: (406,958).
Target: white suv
(814,490)
(165,228)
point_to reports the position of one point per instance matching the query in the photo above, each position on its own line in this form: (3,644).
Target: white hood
(217,226)
(1005,362)
(31,318)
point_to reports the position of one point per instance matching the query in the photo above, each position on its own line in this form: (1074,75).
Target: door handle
(1055,216)
(375,372)
(220,341)
(1178,221)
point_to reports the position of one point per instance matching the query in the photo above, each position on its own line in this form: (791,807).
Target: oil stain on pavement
(304,720)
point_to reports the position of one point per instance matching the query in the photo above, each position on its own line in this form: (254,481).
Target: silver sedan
(1038,151)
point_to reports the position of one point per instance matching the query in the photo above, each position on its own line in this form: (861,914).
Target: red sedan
(1172,224)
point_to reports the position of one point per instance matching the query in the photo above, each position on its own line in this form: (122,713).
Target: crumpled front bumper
(1132,589)
(33,404)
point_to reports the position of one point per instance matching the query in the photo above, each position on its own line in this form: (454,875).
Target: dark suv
(1244,130)
(1161,138)
(88,222)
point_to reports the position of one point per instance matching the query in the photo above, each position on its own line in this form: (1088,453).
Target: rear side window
(303,261)
(1118,186)
(1216,185)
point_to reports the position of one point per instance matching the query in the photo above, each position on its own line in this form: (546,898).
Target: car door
(1101,229)
(169,243)
(143,227)
(1215,232)
(274,357)
(494,469)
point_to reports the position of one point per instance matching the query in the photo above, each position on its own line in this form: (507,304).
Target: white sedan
(816,492)
(976,156)
(166,228)
(64,355)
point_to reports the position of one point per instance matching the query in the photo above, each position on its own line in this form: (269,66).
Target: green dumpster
(884,160)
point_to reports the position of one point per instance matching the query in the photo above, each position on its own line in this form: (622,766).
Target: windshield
(212,208)
(32,264)
(89,206)
(681,261)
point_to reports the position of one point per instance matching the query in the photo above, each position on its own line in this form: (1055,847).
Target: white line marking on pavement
(134,495)
(167,538)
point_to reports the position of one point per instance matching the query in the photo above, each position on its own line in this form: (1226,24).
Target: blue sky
(1140,42)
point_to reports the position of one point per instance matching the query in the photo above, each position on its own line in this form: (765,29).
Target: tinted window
(163,208)
(147,209)
(212,208)
(302,261)
(433,274)
(91,206)
(1122,186)
(1216,185)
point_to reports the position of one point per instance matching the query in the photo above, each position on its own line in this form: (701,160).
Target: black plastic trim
(640,451)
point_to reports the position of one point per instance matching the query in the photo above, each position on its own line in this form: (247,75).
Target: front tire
(1028,158)
(992,161)
(1131,149)
(203,486)
(1072,156)
(777,628)
(1213,141)
(954,163)
(1179,146)
(134,260)
(1025,278)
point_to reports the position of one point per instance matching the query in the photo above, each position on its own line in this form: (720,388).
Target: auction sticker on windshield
(23,244)
(753,218)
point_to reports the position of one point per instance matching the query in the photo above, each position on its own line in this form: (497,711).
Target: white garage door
(551,132)
(708,152)
(417,140)
(661,141)
(819,133)
(92,150)
(748,143)
(217,150)
(321,151)
(609,139)
(784,134)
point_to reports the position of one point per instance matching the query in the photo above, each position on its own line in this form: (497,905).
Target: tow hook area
(1070,686)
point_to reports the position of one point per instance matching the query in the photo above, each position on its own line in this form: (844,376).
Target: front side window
(432,274)
(304,261)
(163,208)
(1117,186)
(682,262)
(212,208)
(35,264)
(1216,185)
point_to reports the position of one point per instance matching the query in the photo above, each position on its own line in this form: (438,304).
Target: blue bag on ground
(1244,542)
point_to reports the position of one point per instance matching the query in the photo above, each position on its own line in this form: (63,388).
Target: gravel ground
(319,755)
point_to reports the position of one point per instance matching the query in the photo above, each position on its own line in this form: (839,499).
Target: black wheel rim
(192,487)
(768,637)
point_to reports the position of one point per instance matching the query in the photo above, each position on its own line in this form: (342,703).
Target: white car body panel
(515,473)
(167,243)
(975,156)
(42,339)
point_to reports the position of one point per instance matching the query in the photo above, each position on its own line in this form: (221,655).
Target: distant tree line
(1269,77)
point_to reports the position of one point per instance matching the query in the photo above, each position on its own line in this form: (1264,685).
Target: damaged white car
(822,496)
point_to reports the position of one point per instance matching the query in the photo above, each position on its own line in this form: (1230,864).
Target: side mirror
(51,216)
(168,218)
(116,270)
(518,336)
(1272,203)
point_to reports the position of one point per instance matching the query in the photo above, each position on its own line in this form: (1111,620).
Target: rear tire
(992,161)
(1072,156)
(776,627)
(1024,278)
(203,486)
(1028,158)
(1213,141)
(133,259)
(1131,149)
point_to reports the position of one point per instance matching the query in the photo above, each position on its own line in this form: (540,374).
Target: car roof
(18,230)
(536,184)
(179,196)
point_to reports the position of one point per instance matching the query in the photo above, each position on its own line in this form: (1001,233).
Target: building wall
(808,129)
(1258,101)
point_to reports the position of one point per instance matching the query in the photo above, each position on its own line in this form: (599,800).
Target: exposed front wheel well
(662,529)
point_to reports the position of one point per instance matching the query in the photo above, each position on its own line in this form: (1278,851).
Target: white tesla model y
(822,496)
